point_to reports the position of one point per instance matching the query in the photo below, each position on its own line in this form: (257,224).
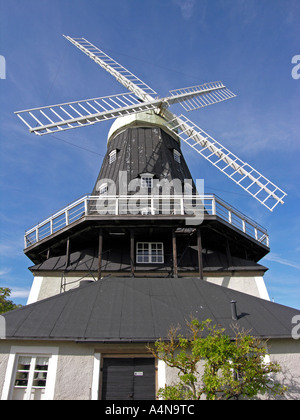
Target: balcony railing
(156,206)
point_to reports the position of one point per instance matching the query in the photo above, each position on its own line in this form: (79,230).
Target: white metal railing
(184,205)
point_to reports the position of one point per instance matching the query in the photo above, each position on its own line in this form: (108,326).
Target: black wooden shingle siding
(143,150)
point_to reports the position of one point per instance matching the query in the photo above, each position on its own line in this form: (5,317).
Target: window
(30,373)
(103,189)
(30,378)
(112,156)
(147,181)
(150,252)
(176,155)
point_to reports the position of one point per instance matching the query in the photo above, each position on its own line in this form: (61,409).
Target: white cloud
(4,271)
(20,293)
(276,258)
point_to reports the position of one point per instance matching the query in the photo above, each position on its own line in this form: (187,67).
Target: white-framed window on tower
(103,188)
(30,373)
(149,252)
(176,155)
(113,156)
(147,181)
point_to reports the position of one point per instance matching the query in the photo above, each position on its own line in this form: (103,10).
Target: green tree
(214,366)
(5,304)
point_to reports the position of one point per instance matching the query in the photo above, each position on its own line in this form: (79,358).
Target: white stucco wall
(75,370)
(50,285)
(287,354)
(250,284)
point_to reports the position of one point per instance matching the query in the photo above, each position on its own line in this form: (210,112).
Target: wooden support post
(175,262)
(100,253)
(67,253)
(228,254)
(200,260)
(132,252)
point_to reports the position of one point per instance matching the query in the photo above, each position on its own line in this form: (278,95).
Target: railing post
(117,206)
(86,206)
(182,205)
(244,225)
(213,206)
(67,217)
(37,234)
(229,216)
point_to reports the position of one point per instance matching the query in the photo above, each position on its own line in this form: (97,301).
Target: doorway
(128,379)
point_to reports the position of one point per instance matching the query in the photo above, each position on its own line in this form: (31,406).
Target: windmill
(65,116)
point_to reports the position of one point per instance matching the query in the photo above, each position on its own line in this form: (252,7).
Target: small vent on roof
(233,310)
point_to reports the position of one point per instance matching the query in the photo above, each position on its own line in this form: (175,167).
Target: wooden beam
(67,253)
(100,247)
(200,259)
(175,262)
(228,254)
(132,252)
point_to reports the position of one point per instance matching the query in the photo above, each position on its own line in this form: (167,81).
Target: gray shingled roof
(142,310)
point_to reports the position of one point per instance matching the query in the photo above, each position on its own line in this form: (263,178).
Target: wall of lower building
(50,285)
(74,370)
(287,354)
(77,374)
(251,284)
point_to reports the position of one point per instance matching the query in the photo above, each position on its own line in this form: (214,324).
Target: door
(128,379)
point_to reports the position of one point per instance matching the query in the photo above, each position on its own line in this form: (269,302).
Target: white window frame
(176,155)
(113,156)
(147,181)
(145,253)
(30,351)
(103,189)
(96,376)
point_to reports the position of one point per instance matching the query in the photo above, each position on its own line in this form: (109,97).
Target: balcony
(194,207)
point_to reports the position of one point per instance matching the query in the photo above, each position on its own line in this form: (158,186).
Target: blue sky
(247,44)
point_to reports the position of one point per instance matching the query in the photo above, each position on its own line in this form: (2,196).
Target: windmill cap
(141,119)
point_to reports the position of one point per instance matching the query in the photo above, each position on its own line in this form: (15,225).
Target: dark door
(128,379)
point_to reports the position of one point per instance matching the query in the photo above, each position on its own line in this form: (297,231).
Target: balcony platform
(180,211)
